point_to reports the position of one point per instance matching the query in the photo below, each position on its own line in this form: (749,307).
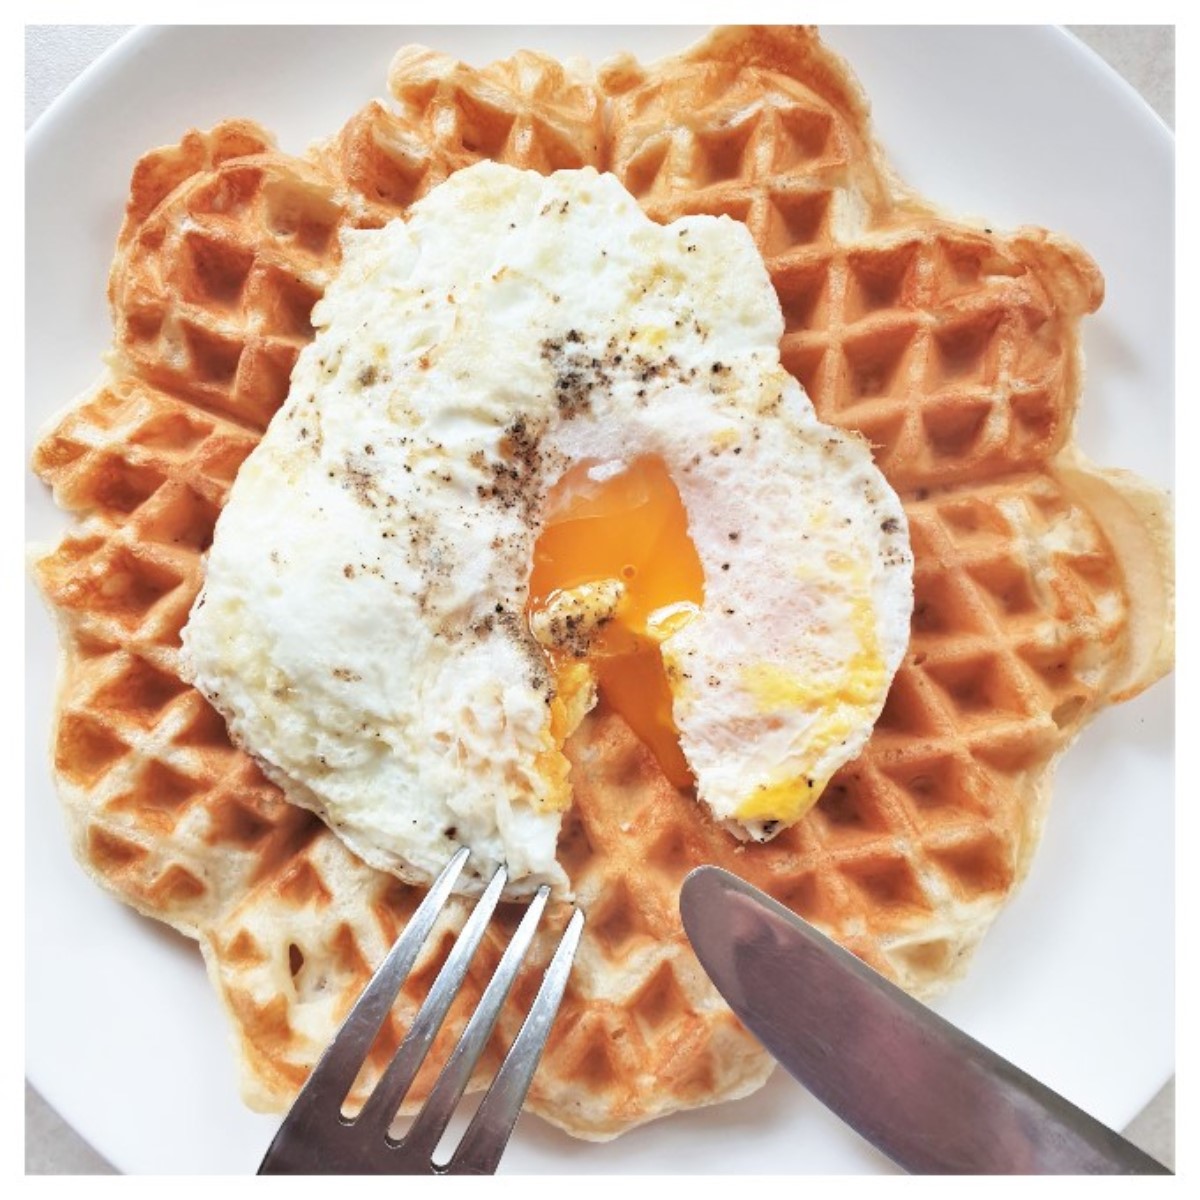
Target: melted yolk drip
(624,522)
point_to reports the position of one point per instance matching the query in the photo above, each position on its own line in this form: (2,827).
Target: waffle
(527,111)
(952,348)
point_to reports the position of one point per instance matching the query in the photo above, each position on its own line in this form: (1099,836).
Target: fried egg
(542,453)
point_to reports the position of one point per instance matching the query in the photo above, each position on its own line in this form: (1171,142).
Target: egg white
(362,625)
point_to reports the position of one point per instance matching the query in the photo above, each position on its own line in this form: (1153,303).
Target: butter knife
(931,1098)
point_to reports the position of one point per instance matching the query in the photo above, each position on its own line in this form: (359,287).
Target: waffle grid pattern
(526,112)
(212,292)
(948,347)
(953,350)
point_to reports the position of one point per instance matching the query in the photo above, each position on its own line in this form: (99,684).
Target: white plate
(1074,983)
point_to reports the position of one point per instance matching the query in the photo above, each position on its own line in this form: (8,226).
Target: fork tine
(426,1131)
(482,1145)
(380,1109)
(339,1065)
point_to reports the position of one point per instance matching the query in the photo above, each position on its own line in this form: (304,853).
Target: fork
(316,1139)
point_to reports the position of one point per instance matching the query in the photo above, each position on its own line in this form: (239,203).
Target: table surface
(56,54)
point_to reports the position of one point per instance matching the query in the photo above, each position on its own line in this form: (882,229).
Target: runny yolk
(624,522)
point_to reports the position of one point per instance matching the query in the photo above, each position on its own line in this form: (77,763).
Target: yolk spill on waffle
(630,527)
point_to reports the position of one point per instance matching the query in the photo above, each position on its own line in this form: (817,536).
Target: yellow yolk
(843,701)
(623,523)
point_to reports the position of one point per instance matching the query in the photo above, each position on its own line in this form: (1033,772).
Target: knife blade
(931,1098)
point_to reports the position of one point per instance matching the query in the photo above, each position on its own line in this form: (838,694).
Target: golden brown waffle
(955,350)
(214,280)
(526,111)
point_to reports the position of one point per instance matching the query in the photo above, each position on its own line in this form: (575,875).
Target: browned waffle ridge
(1042,585)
